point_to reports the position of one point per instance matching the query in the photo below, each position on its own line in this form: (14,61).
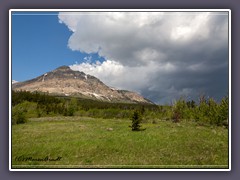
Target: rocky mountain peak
(64,67)
(66,82)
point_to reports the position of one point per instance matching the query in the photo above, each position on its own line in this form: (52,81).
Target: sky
(161,55)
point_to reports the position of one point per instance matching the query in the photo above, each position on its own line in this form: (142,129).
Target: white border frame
(115,10)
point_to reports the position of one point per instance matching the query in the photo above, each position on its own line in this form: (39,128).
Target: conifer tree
(136,120)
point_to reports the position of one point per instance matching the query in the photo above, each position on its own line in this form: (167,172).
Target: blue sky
(39,45)
(161,55)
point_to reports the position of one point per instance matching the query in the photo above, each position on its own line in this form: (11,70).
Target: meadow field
(86,142)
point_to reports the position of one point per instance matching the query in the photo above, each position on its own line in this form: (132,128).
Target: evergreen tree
(136,120)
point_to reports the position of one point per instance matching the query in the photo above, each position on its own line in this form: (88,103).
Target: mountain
(64,81)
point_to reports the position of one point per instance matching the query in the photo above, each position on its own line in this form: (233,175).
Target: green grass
(84,142)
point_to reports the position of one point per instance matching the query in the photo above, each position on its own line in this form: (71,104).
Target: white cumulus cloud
(122,77)
(162,55)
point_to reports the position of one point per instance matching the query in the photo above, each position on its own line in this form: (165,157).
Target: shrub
(176,116)
(19,114)
(180,110)
(71,107)
(224,111)
(154,121)
(211,112)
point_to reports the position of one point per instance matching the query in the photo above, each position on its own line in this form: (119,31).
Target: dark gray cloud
(162,55)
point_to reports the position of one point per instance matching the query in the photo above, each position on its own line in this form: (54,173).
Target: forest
(206,111)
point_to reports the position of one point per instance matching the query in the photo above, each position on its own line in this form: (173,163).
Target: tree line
(206,111)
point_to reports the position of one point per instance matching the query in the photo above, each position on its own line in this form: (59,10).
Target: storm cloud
(162,55)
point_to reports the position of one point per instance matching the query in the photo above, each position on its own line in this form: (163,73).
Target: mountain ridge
(65,81)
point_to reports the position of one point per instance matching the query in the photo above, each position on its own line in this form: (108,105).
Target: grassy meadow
(60,132)
(85,142)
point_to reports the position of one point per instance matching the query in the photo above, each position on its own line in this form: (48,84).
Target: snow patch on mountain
(14,81)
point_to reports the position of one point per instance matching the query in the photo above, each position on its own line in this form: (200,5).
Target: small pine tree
(136,120)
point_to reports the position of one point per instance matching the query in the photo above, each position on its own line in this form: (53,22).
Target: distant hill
(66,82)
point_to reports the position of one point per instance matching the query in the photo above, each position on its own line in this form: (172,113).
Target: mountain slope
(64,81)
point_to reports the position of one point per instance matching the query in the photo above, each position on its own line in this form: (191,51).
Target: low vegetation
(84,133)
(205,112)
(83,142)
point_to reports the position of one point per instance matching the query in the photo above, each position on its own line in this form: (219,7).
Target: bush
(206,112)
(71,107)
(211,112)
(180,110)
(19,114)
(176,116)
(224,111)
